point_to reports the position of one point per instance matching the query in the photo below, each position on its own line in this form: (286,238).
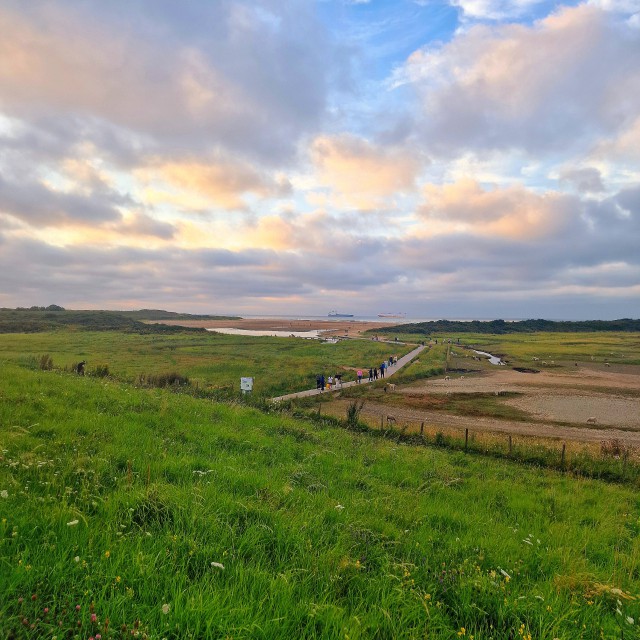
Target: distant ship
(335,314)
(392,315)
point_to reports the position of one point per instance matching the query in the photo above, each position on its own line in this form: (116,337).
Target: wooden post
(510,445)
(422,428)
(564,448)
(466,439)
(382,423)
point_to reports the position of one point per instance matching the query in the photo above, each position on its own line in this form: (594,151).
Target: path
(388,374)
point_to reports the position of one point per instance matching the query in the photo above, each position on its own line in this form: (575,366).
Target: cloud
(41,206)
(585,180)
(511,212)
(494,9)
(361,174)
(252,79)
(195,184)
(555,86)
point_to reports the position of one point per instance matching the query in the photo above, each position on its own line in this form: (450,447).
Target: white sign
(246,384)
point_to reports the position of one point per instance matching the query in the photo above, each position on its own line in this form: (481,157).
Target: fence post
(381,422)
(510,445)
(466,439)
(564,448)
(422,428)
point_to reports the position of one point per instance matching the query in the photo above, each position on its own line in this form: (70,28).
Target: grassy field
(141,512)
(565,348)
(211,360)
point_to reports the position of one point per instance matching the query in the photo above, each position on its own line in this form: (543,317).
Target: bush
(101,371)
(46,362)
(353,414)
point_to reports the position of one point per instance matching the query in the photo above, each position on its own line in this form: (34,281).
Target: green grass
(564,348)
(209,360)
(116,501)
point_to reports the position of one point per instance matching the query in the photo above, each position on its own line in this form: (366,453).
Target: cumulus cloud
(41,206)
(361,174)
(195,184)
(494,9)
(252,79)
(512,212)
(585,180)
(557,85)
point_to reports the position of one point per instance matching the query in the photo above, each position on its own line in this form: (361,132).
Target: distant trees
(521,326)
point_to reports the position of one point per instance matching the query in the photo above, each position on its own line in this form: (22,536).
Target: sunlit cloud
(480,158)
(511,212)
(362,175)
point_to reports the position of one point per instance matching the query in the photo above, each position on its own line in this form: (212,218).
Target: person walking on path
(318,382)
(359,376)
(370,374)
(375,373)
(322,383)
(382,368)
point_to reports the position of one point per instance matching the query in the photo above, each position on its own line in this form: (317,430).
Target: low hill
(146,513)
(38,319)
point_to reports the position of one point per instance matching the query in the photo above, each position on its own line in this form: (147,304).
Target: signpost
(246,385)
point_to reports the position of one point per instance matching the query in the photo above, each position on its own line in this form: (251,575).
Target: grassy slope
(322,533)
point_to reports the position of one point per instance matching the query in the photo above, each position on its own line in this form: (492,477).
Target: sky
(439,158)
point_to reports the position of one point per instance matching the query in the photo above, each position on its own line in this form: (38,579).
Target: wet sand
(352,328)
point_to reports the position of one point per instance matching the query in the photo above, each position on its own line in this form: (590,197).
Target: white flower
(339,507)
(73,523)
(4,493)
(166,608)
(77,559)
(219,565)
(630,620)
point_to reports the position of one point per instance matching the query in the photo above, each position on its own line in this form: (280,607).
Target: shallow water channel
(278,334)
(492,359)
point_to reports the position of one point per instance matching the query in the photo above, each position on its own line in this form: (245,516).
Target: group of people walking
(328,383)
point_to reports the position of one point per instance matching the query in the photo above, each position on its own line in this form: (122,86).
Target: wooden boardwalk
(388,374)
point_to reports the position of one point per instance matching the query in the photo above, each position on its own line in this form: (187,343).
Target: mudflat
(331,327)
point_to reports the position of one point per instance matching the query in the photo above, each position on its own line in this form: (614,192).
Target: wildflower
(339,507)
(218,565)
(630,620)
(118,578)
(73,523)
(94,617)
(462,631)
(77,607)
(166,608)
(107,553)
(4,493)
(77,559)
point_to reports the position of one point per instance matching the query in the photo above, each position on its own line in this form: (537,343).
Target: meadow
(211,361)
(142,512)
(129,511)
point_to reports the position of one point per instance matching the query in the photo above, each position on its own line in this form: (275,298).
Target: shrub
(101,371)
(46,362)
(353,414)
